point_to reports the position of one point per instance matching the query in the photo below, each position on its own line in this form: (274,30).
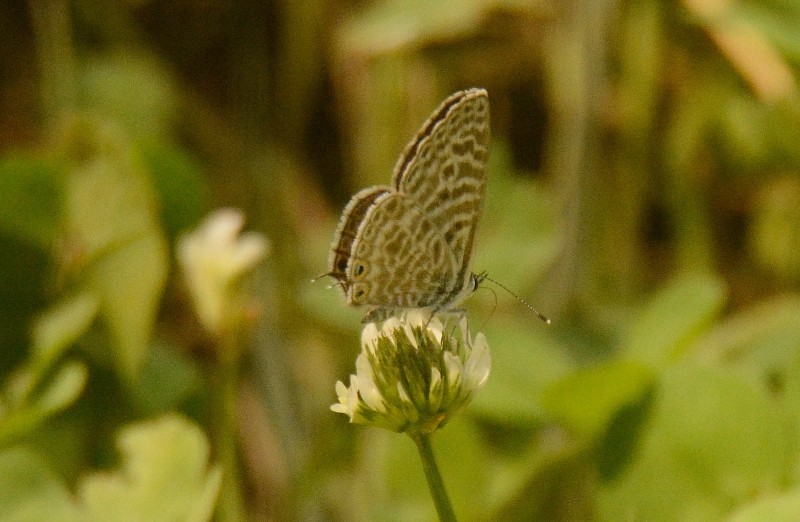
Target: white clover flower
(412,375)
(214,258)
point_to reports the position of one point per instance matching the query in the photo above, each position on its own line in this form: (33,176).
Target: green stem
(230,505)
(435,483)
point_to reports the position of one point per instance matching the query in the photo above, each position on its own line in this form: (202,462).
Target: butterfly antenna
(315,279)
(540,315)
(326,274)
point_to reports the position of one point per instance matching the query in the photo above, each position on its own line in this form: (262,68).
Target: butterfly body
(409,245)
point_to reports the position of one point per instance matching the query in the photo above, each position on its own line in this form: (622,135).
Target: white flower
(214,258)
(412,375)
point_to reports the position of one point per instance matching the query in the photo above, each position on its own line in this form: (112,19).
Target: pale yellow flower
(214,258)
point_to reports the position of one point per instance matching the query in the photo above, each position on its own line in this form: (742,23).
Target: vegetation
(644,193)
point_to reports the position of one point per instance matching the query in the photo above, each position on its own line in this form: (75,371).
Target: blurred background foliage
(644,192)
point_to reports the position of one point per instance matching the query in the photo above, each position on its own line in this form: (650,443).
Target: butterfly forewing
(443,169)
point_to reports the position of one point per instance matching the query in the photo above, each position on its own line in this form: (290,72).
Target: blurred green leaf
(63,388)
(776,219)
(524,360)
(761,342)
(397,24)
(774,508)
(776,20)
(30,492)
(61,326)
(32,192)
(179,182)
(587,400)
(113,217)
(26,413)
(167,380)
(622,438)
(164,476)
(763,338)
(674,318)
(129,88)
(714,438)
(35,391)
(128,281)
(516,240)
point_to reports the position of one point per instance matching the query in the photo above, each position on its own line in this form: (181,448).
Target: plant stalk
(434,477)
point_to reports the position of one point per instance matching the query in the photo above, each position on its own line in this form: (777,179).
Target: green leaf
(761,342)
(164,476)
(180,185)
(168,379)
(715,439)
(762,339)
(773,235)
(524,360)
(128,282)
(63,388)
(732,426)
(674,318)
(26,413)
(52,333)
(587,400)
(30,492)
(32,193)
(112,213)
(106,89)
(34,391)
(775,508)
(61,326)
(622,439)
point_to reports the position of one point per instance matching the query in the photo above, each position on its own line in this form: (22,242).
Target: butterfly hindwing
(400,259)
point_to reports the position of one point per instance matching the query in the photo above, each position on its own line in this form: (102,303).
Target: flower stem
(435,483)
(230,504)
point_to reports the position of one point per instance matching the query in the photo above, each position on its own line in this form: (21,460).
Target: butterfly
(409,245)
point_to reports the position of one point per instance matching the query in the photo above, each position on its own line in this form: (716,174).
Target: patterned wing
(399,258)
(347,230)
(443,170)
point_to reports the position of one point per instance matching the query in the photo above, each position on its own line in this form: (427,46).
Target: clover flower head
(414,373)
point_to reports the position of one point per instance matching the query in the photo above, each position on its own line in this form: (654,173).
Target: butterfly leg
(377,315)
(449,313)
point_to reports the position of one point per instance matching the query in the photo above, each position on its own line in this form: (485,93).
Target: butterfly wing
(443,171)
(347,230)
(399,258)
